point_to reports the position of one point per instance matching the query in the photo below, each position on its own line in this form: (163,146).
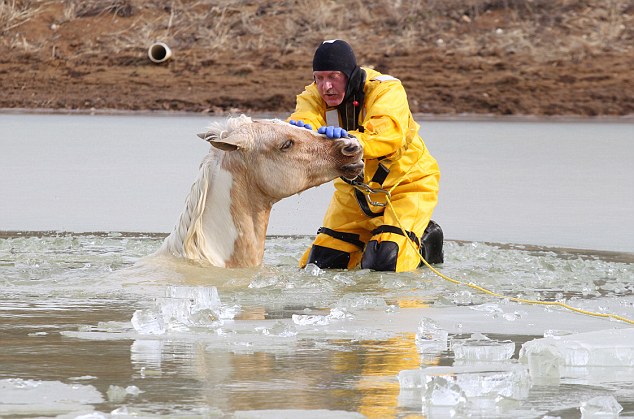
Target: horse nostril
(350,149)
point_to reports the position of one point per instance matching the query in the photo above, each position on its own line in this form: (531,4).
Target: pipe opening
(159,52)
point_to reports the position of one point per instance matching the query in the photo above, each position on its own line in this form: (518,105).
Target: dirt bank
(501,57)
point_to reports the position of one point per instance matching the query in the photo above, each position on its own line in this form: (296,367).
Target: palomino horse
(252,165)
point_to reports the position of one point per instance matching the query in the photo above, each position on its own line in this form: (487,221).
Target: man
(345,99)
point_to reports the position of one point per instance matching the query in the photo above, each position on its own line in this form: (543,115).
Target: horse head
(253,164)
(280,159)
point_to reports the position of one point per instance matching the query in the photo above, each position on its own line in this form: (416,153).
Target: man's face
(331,86)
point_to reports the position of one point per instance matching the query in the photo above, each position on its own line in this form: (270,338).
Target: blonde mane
(187,239)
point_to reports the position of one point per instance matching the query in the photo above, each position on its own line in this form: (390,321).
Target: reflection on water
(90,325)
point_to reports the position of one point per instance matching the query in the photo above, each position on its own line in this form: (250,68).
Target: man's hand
(333,132)
(300,124)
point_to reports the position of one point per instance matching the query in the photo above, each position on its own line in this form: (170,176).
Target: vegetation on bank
(467,37)
(544,29)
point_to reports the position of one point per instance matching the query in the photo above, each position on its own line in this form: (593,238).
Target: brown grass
(13,13)
(473,27)
(484,56)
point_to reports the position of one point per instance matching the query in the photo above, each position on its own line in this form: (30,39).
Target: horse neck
(250,212)
(224,223)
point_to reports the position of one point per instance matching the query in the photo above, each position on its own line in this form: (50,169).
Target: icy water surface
(93,328)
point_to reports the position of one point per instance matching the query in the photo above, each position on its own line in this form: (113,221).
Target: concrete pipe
(159,52)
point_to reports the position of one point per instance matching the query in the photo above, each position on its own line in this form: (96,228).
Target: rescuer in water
(343,100)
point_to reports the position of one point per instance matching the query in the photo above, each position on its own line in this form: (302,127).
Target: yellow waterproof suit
(394,154)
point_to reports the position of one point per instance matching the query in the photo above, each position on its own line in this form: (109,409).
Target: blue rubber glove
(333,132)
(300,124)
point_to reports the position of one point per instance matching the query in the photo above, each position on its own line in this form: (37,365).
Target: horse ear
(230,143)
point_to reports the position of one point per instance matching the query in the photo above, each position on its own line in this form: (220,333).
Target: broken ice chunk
(364,302)
(440,391)
(409,379)
(544,364)
(485,381)
(280,329)
(480,348)
(613,347)
(605,348)
(148,322)
(312,269)
(180,309)
(430,337)
(601,407)
(336,314)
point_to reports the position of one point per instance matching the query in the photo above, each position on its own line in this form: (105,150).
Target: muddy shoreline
(476,59)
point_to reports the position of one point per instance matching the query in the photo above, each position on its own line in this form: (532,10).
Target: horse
(251,165)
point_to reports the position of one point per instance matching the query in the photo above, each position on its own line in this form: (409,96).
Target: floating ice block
(480,348)
(601,407)
(482,381)
(430,337)
(554,357)
(613,347)
(180,309)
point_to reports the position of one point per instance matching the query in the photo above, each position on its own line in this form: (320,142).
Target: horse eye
(287,144)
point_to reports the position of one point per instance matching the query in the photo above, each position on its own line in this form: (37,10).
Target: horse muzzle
(352,170)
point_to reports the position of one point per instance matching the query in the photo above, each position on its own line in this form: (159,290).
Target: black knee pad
(431,248)
(380,256)
(327,258)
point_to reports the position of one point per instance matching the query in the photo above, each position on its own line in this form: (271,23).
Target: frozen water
(281,329)
(440,391)
(411,379)
(484,387)
(612,347)
(182,308)
(556,334)
(448,391)
(305,329)
(312,269)
(148,322)
(59,282)
(491,381)
(200,297)
(600,407)
(480,348)
(297,413)
(495,311)
(310,319)
(118,394)
(92,415)
(592,357)
(544,363)
(430,337)
(22,397)
(355,302)
(336,314)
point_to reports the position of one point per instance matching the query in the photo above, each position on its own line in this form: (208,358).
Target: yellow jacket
(389,128)
(390,139)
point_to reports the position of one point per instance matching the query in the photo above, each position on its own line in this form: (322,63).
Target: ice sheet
(23,397)
(297,413)
(606,354)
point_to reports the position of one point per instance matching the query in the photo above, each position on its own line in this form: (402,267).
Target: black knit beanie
(335,55)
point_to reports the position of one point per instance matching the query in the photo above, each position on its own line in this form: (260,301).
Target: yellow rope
(471,284)
(494,294)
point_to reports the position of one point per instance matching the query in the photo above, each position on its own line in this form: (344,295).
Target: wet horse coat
(252,164)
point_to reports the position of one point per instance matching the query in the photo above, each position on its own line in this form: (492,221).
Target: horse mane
(187,238)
